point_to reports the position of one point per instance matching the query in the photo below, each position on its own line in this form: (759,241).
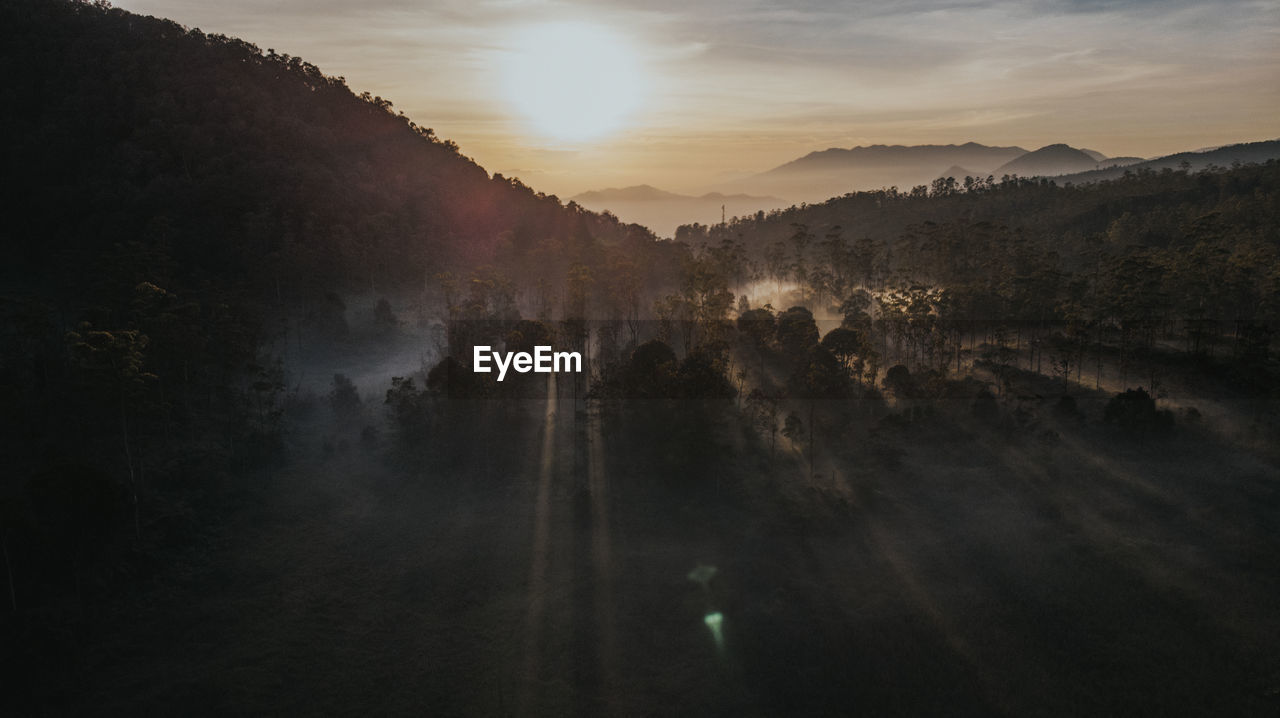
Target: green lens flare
(702,575)
(715,621)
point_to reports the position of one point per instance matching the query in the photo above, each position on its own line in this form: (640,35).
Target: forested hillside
(225,162)
(1201,250)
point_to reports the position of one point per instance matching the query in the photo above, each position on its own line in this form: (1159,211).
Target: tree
(409,409)
(819,376)
(1134,411)
(344,399)
(775,258)
(698,377)
(706,298)
(899,381)
(845,345)
(762,410)
(856,310)
(797,332)
(384,317)
(113,362)
(838,258)
(759,326)
(800,239)
(651,371)
(793,427)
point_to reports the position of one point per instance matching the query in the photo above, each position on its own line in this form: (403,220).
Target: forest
(987,446)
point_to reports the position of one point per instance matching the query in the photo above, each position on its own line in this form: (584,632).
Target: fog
(534,557)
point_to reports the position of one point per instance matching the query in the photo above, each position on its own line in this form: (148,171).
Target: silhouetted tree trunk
(133,479)
(8,567)
(812,403)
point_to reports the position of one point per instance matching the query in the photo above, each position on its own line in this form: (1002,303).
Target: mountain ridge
(839,155)
(1055,159)
(1256,152)
(835,171)
(194,145)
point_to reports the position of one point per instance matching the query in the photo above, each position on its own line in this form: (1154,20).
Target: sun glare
(572,81)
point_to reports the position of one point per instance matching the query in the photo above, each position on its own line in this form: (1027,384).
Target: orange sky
(725,89)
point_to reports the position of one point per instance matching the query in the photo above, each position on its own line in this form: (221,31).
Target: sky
(686,95)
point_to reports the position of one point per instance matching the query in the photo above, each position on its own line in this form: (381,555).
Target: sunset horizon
(729,90)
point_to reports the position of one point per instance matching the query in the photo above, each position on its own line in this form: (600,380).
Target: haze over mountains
(835,171)
(830,173)
(663,211)
(819,176)
(1047,161)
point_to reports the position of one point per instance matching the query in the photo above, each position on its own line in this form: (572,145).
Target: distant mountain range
(818,176)
(663,211)
(1244,153)
(836,171)
(970,154)
(833,172)
(1048,161)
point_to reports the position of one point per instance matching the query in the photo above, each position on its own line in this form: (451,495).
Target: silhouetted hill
(228,164)
(836,171)
(1047,161)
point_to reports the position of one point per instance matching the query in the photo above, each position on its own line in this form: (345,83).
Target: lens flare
(715,622)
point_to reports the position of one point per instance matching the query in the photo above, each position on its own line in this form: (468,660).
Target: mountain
(834,172)
(663,211)
(1227,156)
(1096,155)
(958,172)
(1048,161)
(969,154)
(635,193)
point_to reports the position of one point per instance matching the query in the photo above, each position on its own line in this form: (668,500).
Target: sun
(572,81)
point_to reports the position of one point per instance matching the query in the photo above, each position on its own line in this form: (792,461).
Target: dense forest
(1151,257)
(986,446)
